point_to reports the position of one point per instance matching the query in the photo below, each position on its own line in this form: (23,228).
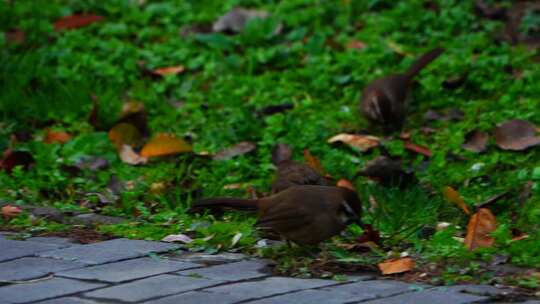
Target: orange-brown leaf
(418,149)
(344,183)
(60,137)
(75,21)
(453,196)
(9,211)
(396,265)
(356,44)
(361,142)
(125,134)
(171,70)
(479,229)
(165,144)
(313,161)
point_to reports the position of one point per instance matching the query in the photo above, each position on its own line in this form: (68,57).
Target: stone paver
(149,288)
(366,290)
(128,270)
(430,297)
(308,296)
(209,259)
(268,287)
(51,240)
(109,251)
(33,267)
(197,297)
(57,287)
(12,249)
(67,300)
(231,272)
(480,290)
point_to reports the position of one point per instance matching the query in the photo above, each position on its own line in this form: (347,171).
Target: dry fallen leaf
(75,21)
(356,44)
(60,137)
(418,149)
(171,70)
(128,156)
(177,238)
(476,141)
(453,196)
(345,184)
(165,144)
(396,266)
(313,162)
(479,229)
(516,135)
(236,150)
(9,211)
(361,142)
(125,134)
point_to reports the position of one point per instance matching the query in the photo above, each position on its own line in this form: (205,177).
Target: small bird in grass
(305,215)
(384,101)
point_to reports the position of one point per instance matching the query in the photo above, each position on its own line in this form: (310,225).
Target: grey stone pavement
(56,271)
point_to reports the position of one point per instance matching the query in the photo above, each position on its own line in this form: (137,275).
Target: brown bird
(384,101)
(305,215)
(291,173)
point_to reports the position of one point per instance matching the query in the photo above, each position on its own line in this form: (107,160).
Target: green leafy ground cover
(48,82)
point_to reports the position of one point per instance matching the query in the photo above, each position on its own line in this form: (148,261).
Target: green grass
(48,82)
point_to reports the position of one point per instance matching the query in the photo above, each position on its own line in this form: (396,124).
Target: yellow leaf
(165,144)
(479,229)
(396,266)
(171,70)
(125,134)
(360,142)
(453,196)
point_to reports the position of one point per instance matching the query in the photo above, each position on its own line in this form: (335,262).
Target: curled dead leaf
(76,21)
(128,156)
(9,211)
(479,229)
(476,141)
(453,196)
(418,149)
(171,70)
(360,142)
(516,135)
(60,137)
(236,150)
(394,266)
(344,183)
(313,161)
(165,144)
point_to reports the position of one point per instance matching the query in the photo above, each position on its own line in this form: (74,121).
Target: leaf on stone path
(182,238)
(9,211)
(344,183)
(453,196)
(236,238)
(394,266)
(128,156)
(356,44)
(236,19)
(11,159)
(479,229)
(476,141)
(125,134)
(165,144)
(76,21)
(171,70)
(236,150)
(60,137)
(362,143)
(313,162)
(516,135)
(418,149)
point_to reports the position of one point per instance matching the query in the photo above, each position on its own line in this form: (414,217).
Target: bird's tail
(220,203)
(423,61)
